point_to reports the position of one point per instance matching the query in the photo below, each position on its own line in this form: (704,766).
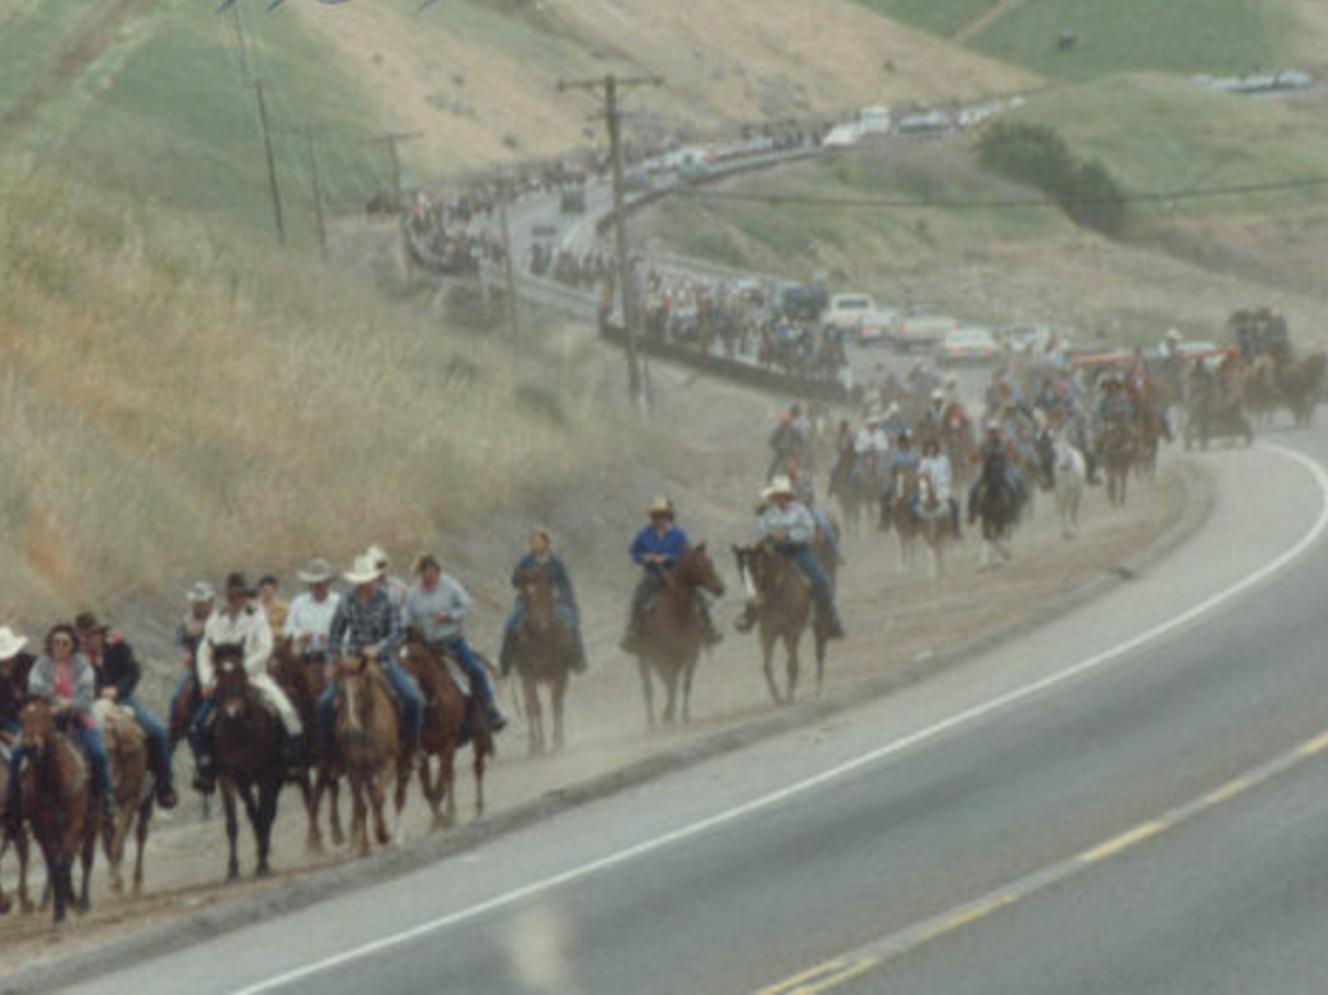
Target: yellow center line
(790,985)
(967,915)
(1228,791)
(1124,841)
(1316,745)
(861,966)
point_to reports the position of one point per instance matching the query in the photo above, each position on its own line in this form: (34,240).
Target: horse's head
(537,595)
(37,720)
(696,569)
(758,567)
(232,682)
(355,676)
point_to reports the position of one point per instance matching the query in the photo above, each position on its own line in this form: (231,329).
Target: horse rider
(804,490)
(656,548)
(367,623)
(188,634)
(932,421)
(308,623)
(844,438)
(437,608)
(785,441)
(65,676)
(240,621)
(396,588)
(890,425)
(14,667)
(274,605)
(904,457)
(789,528)
(1142,392)
(1114,405)
(936,465)
(1278,336)
(995,453)
(542,558)
(117,675)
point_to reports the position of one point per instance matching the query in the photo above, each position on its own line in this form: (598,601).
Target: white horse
(1068,476)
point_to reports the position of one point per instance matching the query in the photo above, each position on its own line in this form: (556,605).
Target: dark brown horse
(59,801)
(367,740)
(448,715)
(784,607)
(20,842)
(544,650)
(127,754)
(1118,446)
(304,677)
(247,746)
(673,632)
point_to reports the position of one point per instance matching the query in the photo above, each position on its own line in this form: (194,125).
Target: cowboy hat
(379,557)
(318,571)
(779,485)
(364,571)
(938,394)
(200,592)
(661,506)
(11,643)
(86,623)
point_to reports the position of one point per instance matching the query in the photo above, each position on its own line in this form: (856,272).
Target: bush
(1037,155)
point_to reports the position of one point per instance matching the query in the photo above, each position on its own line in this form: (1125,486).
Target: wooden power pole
(392,140)
(612,86)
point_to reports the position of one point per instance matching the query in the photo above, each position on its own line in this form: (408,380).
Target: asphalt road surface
(1088,809)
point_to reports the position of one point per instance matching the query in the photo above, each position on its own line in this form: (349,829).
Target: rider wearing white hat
(308,623)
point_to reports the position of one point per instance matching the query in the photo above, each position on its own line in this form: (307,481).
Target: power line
(1193,193)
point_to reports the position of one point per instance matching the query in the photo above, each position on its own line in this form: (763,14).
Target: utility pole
(611,85)
(256,82)
(316,186)
(505,194)
(392,140)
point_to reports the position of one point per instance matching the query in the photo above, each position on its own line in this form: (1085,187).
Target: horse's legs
(378,799)
(232,827)
(253,807)
(647,690)
(403,782)
(818,634)
(89,856)
(480,749)
(313,841)
(534,718)
(447,780)
(767,666)
(688,670)
(558,693)
(140,839)
(791,665)
(22,847)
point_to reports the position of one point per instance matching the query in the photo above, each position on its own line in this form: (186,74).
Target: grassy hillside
(1179,36)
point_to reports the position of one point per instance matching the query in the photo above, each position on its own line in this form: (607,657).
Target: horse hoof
(232,875)
(263,871)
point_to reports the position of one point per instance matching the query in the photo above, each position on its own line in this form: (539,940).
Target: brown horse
(186,705)
(784,606)
(1301,382)
(127,753)
(1118,447)
(247,746)
(544,650)
(1147,435)
(304,677)
(368,744)
(59,800)
(20,842)
(449,714)
(901,516)
(674,633)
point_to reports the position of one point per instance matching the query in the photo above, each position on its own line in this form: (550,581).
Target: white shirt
(249,627)
(938,468)
(795,520)
(872,441)
(312,616)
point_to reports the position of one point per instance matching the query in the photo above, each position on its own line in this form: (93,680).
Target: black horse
(995,503)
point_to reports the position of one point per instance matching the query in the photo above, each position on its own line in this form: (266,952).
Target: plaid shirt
(357,626)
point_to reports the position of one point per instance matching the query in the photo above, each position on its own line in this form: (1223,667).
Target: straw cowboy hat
(780,485)
(11,643)
(201,591)
(318,571)
(661,506)
(365,570)
(379,557)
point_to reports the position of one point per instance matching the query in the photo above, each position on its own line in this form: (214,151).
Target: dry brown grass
(178,397)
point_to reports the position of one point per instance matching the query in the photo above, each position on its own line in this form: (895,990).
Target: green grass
(940,17)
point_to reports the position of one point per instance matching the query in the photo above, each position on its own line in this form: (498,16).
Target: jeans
(801,554)
(823,523)
(156,734)
(93,749)
(470,663)
(403,686)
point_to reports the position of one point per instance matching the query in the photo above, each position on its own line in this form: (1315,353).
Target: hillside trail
(986,19)
(894,620)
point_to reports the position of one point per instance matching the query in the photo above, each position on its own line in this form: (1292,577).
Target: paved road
(863,842)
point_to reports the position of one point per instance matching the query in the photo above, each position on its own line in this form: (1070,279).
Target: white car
(967,345)
(878,326)
(845,311)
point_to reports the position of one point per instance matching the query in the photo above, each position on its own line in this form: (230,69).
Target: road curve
(769,863)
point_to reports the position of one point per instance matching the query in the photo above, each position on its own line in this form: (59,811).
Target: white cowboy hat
(365,570)
(318,571)
(661,506)
(780,485)
(200,592)
(938,394)
(379,557)
(11,643)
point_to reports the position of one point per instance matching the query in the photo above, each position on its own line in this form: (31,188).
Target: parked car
(846,310)
(1030,339)
(803,302)
(878,326)
(967,345)
(922,331)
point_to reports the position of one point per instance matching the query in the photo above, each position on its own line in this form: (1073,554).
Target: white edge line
(874,756)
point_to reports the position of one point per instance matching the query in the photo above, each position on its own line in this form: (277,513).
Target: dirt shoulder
(897,623)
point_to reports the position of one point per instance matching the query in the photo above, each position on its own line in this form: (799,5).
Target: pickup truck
(922,331)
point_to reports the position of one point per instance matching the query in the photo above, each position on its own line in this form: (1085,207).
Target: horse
(1063,470)
(127,754)
(1301,382)
(367,738)
(186,705)
(784,602)
(247,748)
(673,633)
(60,801)
(996,505)
(900,516)
(1118,446)
(936,523)
(843,486)
(1147,435)
(20,841)
(304,678)
(451,718)
(544,650)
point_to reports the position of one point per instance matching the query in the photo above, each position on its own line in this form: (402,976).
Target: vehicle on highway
(803,302)
(924,122)
(1026,339)
(967,345)
(878,326)
(922,331)
(845,311)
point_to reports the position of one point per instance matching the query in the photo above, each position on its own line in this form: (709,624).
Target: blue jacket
(553,568)
(672,545)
